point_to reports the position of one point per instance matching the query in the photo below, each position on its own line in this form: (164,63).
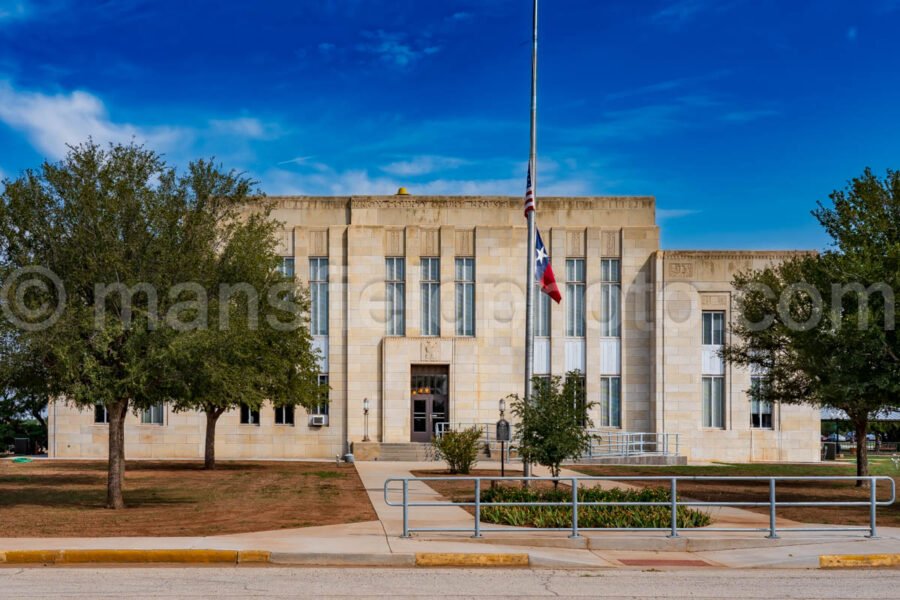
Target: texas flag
(543,272)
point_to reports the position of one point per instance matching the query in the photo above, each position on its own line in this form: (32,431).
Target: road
(272,582)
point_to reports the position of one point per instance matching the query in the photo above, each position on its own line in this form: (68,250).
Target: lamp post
(366,416)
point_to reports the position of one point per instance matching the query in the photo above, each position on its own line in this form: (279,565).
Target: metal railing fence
(604,444)
(673,503)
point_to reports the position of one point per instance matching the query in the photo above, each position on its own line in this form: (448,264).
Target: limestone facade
(603,249)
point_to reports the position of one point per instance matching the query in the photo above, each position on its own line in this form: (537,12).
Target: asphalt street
(271,582)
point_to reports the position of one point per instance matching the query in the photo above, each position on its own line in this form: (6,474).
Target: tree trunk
(116,464)
(209,453)
(861,426)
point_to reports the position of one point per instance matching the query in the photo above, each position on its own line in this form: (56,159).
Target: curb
(86,556)
(453,559)
(843,561)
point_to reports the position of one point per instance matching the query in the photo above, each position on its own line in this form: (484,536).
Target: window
(575,297)
(249,416)
(760,410)
(431,296)
(153,415)
(395,281)
(714,402)
(284,415)
(713,328)
(540,383)
(322,407)
(101,415)
(541,312)
(465,296)
(579,397)
(610,401)
(286,267)
(318,295)
(610,301)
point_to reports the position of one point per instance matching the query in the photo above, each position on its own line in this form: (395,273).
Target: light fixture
(502,406)
(366,418)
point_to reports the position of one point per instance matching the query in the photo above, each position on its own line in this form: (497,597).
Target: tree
(254,350)
(554,425)
(459,449)
(24,397)
(97,256)
(821,327)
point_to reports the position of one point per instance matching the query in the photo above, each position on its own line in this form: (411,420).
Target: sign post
(503,436)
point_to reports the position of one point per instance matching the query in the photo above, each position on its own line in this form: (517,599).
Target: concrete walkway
(379,542)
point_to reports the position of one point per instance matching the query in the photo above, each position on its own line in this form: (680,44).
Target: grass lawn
(788,492)
(67,498)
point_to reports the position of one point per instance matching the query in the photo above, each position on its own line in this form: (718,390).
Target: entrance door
(430,401)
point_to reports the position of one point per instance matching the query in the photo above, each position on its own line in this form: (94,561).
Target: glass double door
(430,401)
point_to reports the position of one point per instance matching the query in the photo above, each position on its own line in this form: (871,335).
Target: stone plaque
(681,270)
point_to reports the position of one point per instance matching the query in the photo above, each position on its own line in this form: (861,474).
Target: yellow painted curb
(453,559)
(83,556)
(836,561)
(253,556)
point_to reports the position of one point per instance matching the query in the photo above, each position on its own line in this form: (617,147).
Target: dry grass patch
(67,498)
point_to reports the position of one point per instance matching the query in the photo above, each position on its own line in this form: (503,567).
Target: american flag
(529,192)
(543,272)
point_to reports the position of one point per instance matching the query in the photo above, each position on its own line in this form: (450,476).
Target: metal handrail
(674,503)
(603,444)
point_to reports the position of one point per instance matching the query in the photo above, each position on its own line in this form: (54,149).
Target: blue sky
(737,115)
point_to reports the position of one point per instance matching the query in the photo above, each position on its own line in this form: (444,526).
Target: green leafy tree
(257,347)
(821,327)
(97,253)
(553,426)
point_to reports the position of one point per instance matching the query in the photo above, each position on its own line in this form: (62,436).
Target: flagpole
(532,162)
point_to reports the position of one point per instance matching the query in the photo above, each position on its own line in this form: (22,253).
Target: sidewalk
(379,542)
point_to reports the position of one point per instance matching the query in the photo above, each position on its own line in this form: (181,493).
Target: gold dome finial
(402,192)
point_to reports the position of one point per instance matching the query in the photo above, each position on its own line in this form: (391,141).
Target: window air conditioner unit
(318,420)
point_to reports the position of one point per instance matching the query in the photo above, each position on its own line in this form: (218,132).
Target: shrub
(459,449)
(588,516)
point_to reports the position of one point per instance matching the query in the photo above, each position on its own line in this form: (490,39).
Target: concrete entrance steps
(406,452)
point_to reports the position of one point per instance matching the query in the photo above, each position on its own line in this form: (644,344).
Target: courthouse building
(418,308)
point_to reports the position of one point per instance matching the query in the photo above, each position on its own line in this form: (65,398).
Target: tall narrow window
(714,402)
(322,407)
(101,415)
(713,328)
(541,312)
(575,297)
(576,381)
(610,301)
(431,296)
(286,267)
(318,295)
(760,410)
(611,401)
(465,296)
(395,287)
(249,416)
(153,415)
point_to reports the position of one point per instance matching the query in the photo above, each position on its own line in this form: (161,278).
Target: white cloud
(421,165)
(245,127)
(665,214)
(395,49)
(52,121)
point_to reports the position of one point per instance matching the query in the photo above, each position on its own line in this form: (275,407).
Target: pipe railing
(674,503)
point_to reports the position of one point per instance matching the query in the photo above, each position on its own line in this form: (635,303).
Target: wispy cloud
(52,121)
(246,127)
(667,214)
(746,116)
(667,85)
(13,9)
(395,49)
(677,14)
(421,165)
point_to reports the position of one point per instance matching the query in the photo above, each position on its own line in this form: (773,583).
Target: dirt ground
(67,498)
